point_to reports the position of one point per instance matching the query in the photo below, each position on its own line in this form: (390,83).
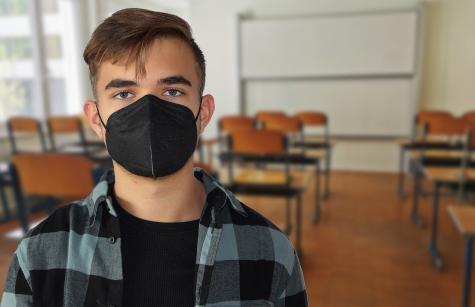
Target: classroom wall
(449,63)
(217,35)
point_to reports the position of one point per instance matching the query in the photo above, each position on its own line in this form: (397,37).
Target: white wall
(449,62)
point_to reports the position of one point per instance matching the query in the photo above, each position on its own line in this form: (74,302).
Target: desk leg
(402,175)
(316,211)
(326,194)
(467,277)
(436,258)
(299,224)
(415,198)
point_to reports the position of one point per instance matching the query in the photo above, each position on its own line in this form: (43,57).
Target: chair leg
(402,175)
(467,275)
(434,252)
(316,211)
(299,225)
(22,211)
(417,177)
(288,216)
(3,198)
(327,174)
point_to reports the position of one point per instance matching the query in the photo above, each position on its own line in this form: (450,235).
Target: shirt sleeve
(294,294)
(17,292)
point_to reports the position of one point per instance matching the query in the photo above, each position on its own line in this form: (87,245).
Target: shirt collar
(221,196)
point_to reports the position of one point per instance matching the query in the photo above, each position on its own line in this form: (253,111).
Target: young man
(154,231)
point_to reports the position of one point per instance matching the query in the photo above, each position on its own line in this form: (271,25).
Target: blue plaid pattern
(73,258)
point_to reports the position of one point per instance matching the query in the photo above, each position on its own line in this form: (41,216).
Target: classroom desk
(440,176)
(419,146)
(464,218)
(439,154)
(291,158)
(432,158)
(274,179)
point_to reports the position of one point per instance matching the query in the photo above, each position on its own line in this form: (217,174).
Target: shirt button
(112,239)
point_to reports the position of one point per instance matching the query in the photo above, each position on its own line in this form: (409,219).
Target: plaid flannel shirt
(73,258)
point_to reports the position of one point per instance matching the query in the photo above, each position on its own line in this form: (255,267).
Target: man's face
(171,74)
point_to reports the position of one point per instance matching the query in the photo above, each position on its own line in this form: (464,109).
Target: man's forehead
(163,58)
(109,71)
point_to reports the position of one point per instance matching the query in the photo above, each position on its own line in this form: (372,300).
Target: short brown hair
(128,34)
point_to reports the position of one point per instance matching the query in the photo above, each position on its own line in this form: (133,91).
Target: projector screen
(329,45)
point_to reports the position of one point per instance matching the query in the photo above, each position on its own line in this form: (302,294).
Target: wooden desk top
(448,174)
(438,154)
(430,139)
(299,179)
(464,218)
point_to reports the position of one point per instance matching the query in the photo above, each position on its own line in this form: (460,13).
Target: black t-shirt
(158,261)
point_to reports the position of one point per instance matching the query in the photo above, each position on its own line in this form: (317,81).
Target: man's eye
(173,93)
(124,95)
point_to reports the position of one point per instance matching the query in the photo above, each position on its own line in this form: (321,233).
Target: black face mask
(152,137)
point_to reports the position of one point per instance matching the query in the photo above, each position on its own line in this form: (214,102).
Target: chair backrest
(471,138)
(284,124)
(27,125)
(56,175)
(315,119)
(424,118)
(469,117)
(259,142)
(232,123)
(310,118)
(449,126)
(263,116)
(65,125)
(23,124)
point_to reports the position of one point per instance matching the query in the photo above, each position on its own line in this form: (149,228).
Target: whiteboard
(329,45)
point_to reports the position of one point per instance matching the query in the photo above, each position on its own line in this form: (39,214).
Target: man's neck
(179,197)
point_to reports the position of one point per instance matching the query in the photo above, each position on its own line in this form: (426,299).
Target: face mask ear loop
(196,118)
(199,110)
(100,118)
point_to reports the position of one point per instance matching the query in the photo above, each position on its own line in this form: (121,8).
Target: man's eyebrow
(118,83)
(175,80)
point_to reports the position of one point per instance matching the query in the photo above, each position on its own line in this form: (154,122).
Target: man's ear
(207,110)
(92,115)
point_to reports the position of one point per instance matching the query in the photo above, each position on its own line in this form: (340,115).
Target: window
(14,48)
(49,6)
(13,7)
(16,97)
(16,70)
(53,46)
(18,81)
